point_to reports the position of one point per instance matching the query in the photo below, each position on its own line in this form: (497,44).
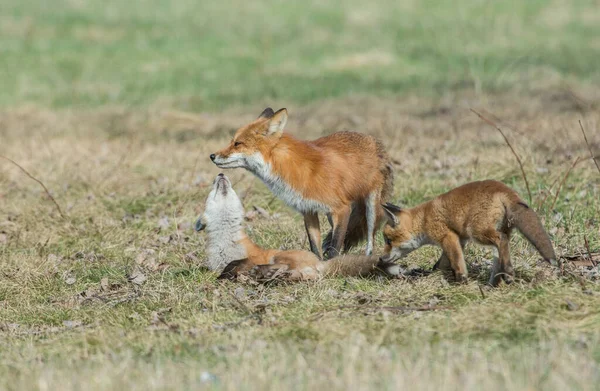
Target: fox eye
(388,241)
(237,143)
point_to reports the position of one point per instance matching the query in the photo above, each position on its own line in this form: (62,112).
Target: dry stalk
(41,184)
(487,121)
(542,202)
(589,147)
(563,182)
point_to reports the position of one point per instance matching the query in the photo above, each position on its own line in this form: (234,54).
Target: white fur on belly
(223,247)
(223,216)
(263,170)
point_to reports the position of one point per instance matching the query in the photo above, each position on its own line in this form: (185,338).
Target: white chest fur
(223,247)
(294,199)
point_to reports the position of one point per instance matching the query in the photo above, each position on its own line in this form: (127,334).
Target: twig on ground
(394,308)
(481,290)
(41,184)
(240,304)
(563,182)
(587,247)
(589,147)
(511,148)
(542,202)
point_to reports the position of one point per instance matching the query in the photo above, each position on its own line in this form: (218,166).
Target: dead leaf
(583,260)
(71,323)
(239,293)
(147,258)
(164,239)
(184,226)
(3,238)
(104,286)
(571,306)
(137,277)
(156,316)
(163,223)
(262,212)
(70,279)
(207,377)
(53,258)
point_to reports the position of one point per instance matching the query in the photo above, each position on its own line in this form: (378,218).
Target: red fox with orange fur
(485,211)
(345,175)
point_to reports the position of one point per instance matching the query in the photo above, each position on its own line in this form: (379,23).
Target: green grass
(210,56)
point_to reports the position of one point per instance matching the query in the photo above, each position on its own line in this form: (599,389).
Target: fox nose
(212,157)
(221,175)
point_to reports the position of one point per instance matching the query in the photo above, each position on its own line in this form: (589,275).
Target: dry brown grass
(131,183)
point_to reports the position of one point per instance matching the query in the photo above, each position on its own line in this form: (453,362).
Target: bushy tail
(529,224)
(357,225)
(357,265)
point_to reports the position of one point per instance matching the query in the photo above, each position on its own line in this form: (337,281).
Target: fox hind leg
(502,268)
(340,220)
(313,230)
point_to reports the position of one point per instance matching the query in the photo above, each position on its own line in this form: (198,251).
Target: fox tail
(529,224)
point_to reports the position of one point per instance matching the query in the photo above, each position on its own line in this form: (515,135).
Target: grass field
(115,107)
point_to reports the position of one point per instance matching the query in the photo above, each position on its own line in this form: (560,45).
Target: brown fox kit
(231,252)
(345,175)
(485,212)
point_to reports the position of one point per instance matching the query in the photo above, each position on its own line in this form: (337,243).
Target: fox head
(223,208)
(398,234)
(257,138)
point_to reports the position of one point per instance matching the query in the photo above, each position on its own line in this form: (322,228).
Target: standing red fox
(345,175)
(485,211)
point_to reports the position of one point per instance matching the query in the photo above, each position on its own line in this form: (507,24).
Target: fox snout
(212,157)
(221,184)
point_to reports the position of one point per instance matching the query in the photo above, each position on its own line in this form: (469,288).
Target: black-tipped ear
(267,113)
(390,211)
(392,207)
(199,226)
(278,122)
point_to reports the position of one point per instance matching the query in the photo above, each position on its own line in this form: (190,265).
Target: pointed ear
(199,226)
(390,213)
(277,122)
(392,207)
(267,113)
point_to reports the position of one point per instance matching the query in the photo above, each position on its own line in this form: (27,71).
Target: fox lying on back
(485,212)
(230,251)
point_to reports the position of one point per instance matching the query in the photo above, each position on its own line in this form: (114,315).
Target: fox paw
(460,278)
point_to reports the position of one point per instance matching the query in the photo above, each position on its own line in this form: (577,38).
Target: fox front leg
(313,231)
(453,250)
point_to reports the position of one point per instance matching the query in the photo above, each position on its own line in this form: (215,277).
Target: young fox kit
(485,212)
(230,250)
(345,175)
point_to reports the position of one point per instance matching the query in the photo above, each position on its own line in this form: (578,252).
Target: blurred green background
(213,54)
